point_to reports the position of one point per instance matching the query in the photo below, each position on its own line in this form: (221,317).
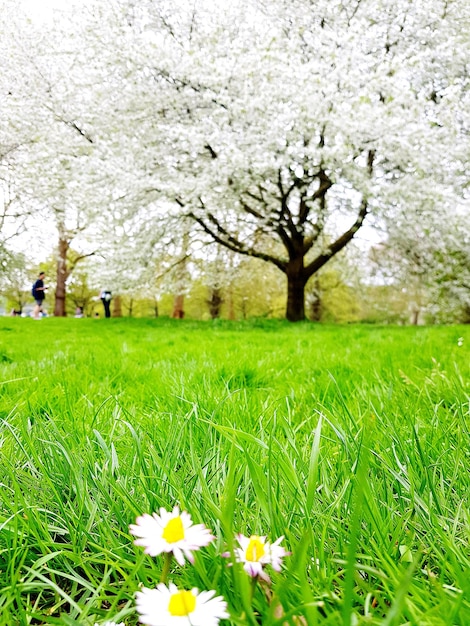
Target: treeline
(252,290)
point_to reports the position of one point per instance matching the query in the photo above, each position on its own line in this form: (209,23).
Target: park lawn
(352,442)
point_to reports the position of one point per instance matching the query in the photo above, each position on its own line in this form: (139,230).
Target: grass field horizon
(352,442)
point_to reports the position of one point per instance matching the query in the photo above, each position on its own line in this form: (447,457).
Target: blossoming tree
(284,138)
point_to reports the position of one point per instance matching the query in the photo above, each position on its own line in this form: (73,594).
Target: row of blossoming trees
(134,127)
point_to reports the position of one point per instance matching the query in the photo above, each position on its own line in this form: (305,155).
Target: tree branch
(286,215)
(77,259)
(220,235)
(339,244)
(324,184)
(276,226)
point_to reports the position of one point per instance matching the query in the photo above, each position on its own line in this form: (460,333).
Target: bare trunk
(466,314)
(117,306)
(62,274)
(231,306)
(178,307)
(215,302)
(296,281)
(19,303)
(182,278)
(316,303)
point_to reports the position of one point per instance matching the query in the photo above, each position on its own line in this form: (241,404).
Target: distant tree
(55,174)
(80,294)
(217,272)
(15,136)
(330,298)
(15,279)
(257,290)
(384,304)
(430,263)
(12,218)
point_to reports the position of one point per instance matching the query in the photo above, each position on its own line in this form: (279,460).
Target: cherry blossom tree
(284,137)
(430,261)
(55,172)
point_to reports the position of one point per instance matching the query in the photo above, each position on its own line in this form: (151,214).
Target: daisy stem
(166,567)
(254,581)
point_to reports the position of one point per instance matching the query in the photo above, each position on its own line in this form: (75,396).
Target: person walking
(39,293)
(105,297)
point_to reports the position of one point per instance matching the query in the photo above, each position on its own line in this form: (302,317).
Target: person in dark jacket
(39,293)
(105,297)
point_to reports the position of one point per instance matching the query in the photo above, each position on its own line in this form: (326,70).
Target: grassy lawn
(351,442)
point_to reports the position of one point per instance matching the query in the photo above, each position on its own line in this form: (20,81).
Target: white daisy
(255,553)
(170,532)
(169,606)
(111,624)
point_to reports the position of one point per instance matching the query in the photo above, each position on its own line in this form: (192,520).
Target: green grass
(352,442)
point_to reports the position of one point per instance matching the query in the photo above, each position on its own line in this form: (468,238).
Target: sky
(43,9)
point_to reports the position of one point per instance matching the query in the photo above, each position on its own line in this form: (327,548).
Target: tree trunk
(466,314)
(62,274)
(182,278)
(178,307)
(215,302)
(117,306)
(231,305)
(415,317)
(244,307)
(316,307)
(296,281)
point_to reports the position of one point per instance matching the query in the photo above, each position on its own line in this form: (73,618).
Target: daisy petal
(170,532)
(169,606)
(255,553)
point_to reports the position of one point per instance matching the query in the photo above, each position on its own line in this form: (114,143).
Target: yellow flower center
(255,550)
(174,531)
(182,603)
